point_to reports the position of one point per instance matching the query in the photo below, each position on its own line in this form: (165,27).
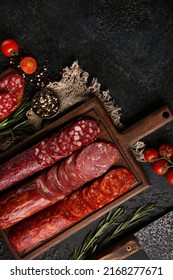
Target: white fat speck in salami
(11,94)
(44,154)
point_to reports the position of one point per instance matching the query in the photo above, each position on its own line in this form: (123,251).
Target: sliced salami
(112,183)
(52,182)
(11,93)
(62,178)
(96,159)
(61,215)
(74,178)
(83,132)
(48,190)
(41,156)
(76,205)
(93,197)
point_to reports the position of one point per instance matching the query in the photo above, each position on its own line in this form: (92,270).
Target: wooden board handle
(120,250)
(146,126)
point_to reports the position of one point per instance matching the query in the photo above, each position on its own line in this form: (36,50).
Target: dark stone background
(127,45)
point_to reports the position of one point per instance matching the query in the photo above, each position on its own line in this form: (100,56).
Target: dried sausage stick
(58,217)
(47,152)
(53,185)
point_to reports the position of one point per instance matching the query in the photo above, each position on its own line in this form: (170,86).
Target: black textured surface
(127,45)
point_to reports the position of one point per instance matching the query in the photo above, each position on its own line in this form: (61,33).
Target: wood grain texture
(120,250)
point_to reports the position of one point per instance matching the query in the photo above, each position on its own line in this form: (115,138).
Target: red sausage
(70,210)
(47,152)
(53,185)
(11,92)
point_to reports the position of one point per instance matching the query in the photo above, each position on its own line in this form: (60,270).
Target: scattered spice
(45,104)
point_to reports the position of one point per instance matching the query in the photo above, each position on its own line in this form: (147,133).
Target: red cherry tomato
(169,176)
(160,167)
(28,65)
(9,47)
(151,154)
(166,150)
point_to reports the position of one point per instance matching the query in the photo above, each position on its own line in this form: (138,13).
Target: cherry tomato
(169,176)
(151,154)
(28,65)
(160,167)
(166,150)
(9,47)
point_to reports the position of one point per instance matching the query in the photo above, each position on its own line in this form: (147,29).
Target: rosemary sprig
(16,117)
(134,219)
(88,245)
(91,243)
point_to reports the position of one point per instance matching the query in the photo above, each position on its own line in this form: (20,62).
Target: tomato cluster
(161,160)
(10,48)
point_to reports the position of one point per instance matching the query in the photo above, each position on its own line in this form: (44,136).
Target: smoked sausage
(56,183)
(76,206)
(47,152)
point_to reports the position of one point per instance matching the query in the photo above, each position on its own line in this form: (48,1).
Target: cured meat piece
(53,185)
(11,92)
(74,177)
(52,182)
(39,156)
(96,156)
(86,131)
(21,203)
(93,197)
(112,183)
(40,228)
(62,178)
(76,205)
(58,217)
(49,190)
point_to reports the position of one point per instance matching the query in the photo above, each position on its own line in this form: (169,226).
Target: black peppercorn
(45,104)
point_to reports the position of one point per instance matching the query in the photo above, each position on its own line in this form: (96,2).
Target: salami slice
(62,178)
(52,182)
(11,93)
(76,205)
(49,190)
(63,214)
(93,197)
(40,157)
(96,159)
(74,177)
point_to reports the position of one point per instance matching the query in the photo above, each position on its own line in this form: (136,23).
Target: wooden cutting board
(124,139)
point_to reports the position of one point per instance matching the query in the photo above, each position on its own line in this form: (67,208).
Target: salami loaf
(54,184)
(76,206)
(11,92)
(47,152)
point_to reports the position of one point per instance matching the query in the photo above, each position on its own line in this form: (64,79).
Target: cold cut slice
(97,157)
(74,177)
(11,92)
(45,153)
(58,217)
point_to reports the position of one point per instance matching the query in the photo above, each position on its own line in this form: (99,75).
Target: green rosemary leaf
(18,115)
(89,244)
(135,218)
